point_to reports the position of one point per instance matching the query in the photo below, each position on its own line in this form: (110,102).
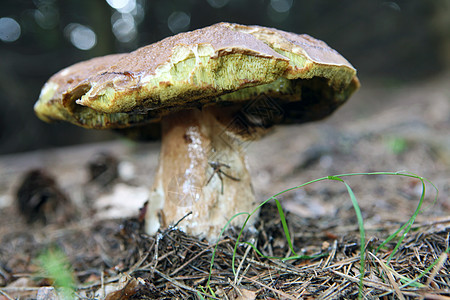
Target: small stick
(240,265)
(6,295)
(181,285)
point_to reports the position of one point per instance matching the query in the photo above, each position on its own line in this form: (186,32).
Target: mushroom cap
(298,77)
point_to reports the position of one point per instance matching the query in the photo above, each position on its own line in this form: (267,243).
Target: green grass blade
(426,271)
(409,224)
(405,228)
(218,239)
(253,212)
(285,227)
(362,233)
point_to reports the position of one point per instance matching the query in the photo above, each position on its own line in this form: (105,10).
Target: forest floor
(104,252)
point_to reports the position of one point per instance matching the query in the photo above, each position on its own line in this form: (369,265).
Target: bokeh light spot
(124,27)
(129,7)
(392,5)
(281,6)
(118,4)
(47,17)
(82,37)
(9,30)
(218,3)
(178,21)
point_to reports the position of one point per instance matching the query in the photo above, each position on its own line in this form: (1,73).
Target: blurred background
(389,42)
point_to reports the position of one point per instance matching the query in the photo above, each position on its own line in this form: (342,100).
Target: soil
(382,128)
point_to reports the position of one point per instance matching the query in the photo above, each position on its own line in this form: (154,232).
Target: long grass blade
(362,233)
(285,227)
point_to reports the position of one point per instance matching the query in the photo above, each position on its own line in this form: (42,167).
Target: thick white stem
(203,170)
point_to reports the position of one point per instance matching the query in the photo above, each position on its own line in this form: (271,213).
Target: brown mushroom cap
(225,64)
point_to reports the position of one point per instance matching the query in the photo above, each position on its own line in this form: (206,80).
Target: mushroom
(212,91)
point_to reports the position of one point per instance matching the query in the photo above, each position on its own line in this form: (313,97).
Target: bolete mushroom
(212,91)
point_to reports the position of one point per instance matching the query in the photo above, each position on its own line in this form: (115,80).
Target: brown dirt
(382,128)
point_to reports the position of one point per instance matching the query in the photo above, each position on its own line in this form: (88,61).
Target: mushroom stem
(202,169)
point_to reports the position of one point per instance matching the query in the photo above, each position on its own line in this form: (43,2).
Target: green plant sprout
(54,264)
(397,145)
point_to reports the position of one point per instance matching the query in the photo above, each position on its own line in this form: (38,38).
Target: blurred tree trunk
(99,14)
(440,28)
